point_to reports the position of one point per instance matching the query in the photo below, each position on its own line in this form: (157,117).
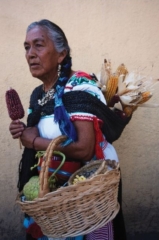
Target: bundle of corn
(131,88)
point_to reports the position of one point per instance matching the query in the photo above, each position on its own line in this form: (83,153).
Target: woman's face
(41,55)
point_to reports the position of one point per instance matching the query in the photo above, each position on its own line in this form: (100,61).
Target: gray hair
(55,33)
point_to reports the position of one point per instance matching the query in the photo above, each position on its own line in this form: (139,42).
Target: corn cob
(128,110)
(111,88)
(145,97)
(14,105)
(78,179)
(121,70)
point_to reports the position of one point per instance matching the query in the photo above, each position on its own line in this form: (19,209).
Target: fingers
(16,128)
(16,134)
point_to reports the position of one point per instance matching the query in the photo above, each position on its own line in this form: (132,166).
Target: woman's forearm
(82,149)
(75,150)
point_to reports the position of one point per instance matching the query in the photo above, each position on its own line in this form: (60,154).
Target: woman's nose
(31,52)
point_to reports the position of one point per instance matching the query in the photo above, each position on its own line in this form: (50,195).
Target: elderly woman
(67,103)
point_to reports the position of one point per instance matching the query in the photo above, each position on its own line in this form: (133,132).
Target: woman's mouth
(34,65)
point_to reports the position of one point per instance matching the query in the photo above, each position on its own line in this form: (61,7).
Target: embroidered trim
(87,118)
(82,118)
(68,87)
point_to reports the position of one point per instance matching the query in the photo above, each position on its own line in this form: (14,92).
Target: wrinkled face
(41,55)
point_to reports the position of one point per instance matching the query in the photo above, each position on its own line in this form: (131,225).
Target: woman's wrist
(33,143)
(40,144)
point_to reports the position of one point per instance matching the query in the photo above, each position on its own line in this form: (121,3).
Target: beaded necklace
(49,94)
(47,97)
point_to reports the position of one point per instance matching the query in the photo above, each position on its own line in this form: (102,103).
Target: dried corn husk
(145,97)
(121,70)
(132,88)
(104,75)
(128,110)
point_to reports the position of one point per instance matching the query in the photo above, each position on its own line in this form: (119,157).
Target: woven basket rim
(109,163)
(66,188)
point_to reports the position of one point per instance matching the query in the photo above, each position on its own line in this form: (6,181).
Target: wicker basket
(76,209)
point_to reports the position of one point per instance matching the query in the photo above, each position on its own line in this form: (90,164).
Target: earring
(59,70)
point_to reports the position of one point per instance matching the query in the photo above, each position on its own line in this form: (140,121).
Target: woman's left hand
(28,136)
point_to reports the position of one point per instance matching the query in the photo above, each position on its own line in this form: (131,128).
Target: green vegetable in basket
(31,188)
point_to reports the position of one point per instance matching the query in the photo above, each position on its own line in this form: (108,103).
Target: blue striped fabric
(61,172)
(75,238)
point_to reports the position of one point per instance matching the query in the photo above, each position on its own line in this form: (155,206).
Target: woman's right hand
(16,128)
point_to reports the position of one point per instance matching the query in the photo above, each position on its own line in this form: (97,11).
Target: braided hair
(61,116)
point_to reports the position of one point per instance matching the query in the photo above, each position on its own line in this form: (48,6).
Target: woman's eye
(38,45)
(26,48)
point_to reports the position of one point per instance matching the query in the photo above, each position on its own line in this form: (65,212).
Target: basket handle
(44,173)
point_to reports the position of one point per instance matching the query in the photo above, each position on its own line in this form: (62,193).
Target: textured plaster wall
(122,30)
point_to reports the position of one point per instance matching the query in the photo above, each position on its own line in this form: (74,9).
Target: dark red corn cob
(14,105)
